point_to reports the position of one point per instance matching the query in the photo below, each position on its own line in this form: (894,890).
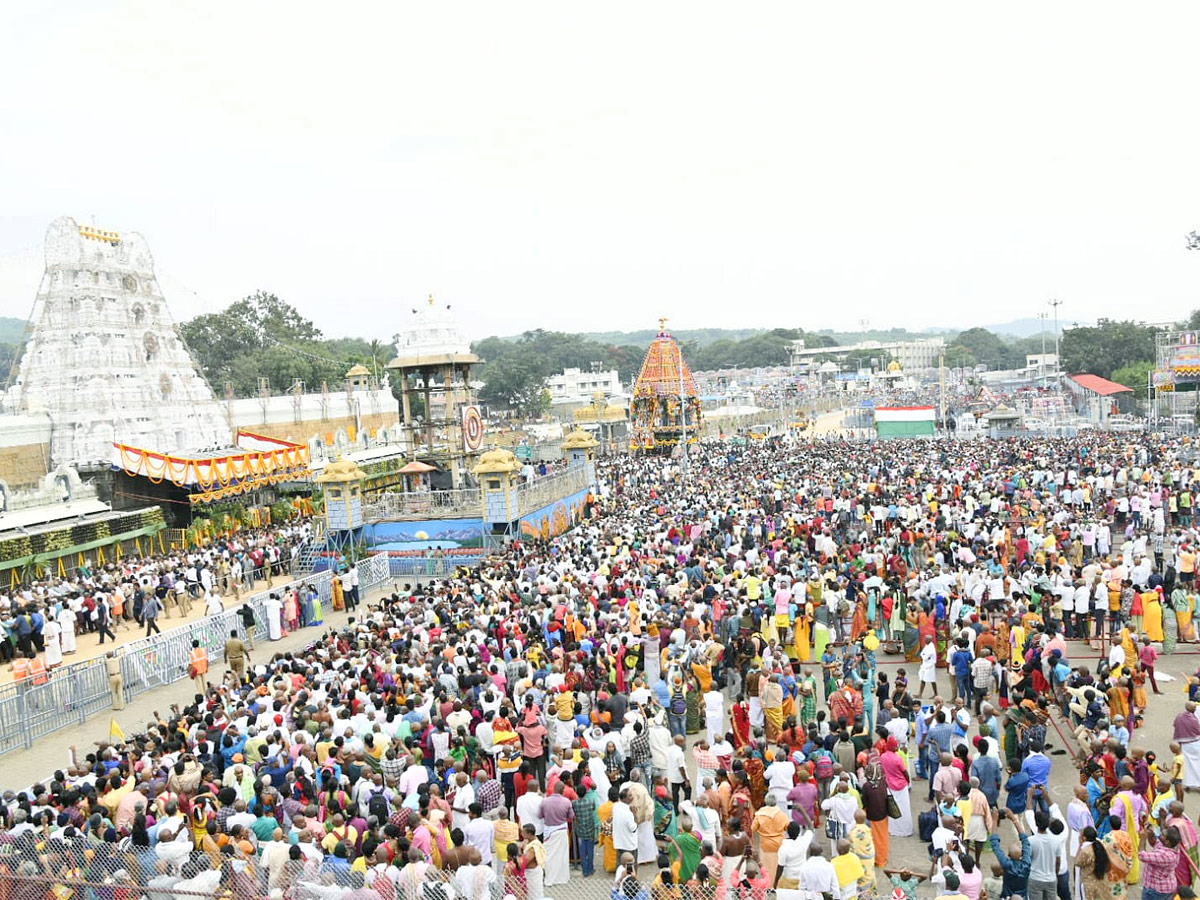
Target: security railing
(415,505)
(546,490)
(73,871)
(74,693)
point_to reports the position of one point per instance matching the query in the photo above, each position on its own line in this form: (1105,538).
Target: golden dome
(358,371)
(578,440)
(496,462)
(340,471)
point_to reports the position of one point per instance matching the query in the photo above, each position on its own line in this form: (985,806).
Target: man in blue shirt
(1037,767)
(1016,863)
(937,742)
(1018,789)
(829,666)
(987,770)
(961,663)
(922,729)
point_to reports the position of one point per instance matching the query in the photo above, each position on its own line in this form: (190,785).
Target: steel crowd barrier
(76,692)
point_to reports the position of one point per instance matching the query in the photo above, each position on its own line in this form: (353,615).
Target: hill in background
(11,330)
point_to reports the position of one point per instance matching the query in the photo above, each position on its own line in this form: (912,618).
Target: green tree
(515,383)
(1134,375)
(959,357)
(261,336)
(1108,345)
(986,348)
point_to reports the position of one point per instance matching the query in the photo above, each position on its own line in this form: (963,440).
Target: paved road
(88,645)
(25,767)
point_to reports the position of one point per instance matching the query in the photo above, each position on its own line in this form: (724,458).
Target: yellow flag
(115,734)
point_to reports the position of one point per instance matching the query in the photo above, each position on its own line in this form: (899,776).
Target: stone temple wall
(301,432)
(24,450)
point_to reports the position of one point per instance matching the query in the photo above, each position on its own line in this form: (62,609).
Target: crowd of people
(45,620)
(841,669)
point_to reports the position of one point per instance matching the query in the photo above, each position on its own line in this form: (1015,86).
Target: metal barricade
(74,693)
(67,699)
(372,572)
(12,722)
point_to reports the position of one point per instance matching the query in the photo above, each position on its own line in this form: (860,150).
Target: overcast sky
(593,166)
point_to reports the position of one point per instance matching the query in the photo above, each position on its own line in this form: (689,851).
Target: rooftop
(1101,386)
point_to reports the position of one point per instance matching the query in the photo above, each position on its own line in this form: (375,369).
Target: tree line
(263,337)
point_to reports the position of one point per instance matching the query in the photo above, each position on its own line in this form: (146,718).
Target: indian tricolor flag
(904,421)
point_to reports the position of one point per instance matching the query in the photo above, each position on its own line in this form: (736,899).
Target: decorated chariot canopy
(665,402)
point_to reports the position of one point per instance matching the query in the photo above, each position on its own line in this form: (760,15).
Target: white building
(104,360)
(578,386)
(913,356)
(1043,362)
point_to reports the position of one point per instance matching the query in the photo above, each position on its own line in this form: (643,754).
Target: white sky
(592,166)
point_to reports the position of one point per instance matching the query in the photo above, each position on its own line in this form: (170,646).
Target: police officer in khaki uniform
(236,655)
(116,684)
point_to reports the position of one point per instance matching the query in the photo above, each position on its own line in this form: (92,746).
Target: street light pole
(682,410)
(1043,315)
(1056,304)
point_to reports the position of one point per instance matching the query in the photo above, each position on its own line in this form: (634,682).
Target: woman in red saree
(858,625)
(740,716)
(755,779)
(925,627)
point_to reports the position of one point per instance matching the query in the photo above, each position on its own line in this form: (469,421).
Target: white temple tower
(104,359)
(433,365)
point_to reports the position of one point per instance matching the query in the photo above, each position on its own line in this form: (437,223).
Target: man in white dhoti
(535,864)
(1187,735)
(714,714)
(643,812)
(754,682)
(927,674)
(556,813)
(66,621)
(51,631)
(461,800)
(273,612)
(625,826)
(564,733)
(651,658)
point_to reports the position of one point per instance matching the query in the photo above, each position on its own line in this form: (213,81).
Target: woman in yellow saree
(703,673)
(1016,642)
(1131,653)
(769,632)
(1152,616)
(1118,701)
(604,815)
(1133,834)
(1185,607)
(802,638)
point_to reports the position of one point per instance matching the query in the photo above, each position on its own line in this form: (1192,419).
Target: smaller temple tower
(358,378)
(440,419)
(341,484)
(497,473)
(580,448)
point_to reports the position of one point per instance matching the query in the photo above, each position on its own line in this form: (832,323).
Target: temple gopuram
(665,409)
